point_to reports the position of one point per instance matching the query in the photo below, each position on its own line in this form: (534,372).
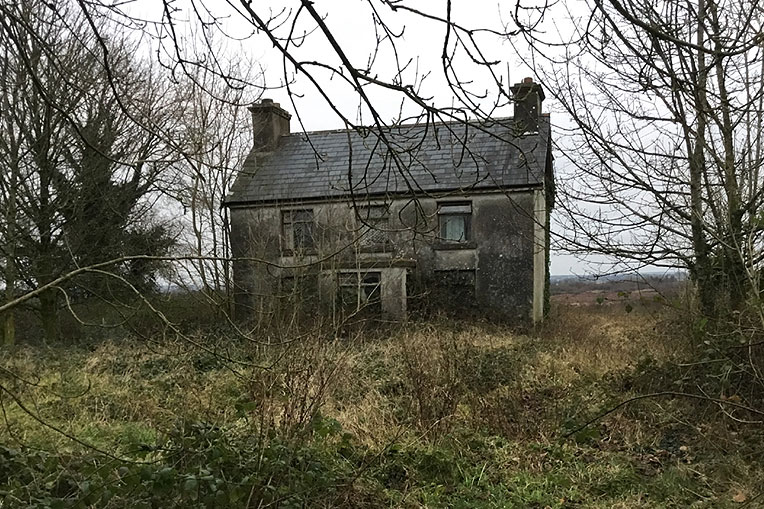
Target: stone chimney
(269,123)
(527,97)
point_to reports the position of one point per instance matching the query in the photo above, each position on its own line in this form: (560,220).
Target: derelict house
(448,217)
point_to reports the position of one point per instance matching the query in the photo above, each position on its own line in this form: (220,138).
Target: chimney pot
(527,80)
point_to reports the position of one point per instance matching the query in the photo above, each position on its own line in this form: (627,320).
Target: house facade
(450,217)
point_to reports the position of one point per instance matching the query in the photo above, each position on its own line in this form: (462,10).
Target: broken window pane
(373,225)
(298,229)
(303,235)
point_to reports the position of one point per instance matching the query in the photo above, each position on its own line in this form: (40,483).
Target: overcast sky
(418,48)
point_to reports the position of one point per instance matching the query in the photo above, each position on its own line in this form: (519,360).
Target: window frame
(354,280)
(288,232)
(444,214)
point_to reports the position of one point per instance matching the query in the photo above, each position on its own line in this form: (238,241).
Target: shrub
(198,466)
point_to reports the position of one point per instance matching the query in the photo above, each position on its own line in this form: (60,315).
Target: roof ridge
(400,126)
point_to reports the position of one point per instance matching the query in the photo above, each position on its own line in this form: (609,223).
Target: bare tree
(10,161)
(183,39)
(78,164)
(468,68)
(215,141)
(666,151)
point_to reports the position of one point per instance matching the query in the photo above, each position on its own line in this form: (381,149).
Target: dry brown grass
(598,340)
(421,380)
(431,378)
(433,389)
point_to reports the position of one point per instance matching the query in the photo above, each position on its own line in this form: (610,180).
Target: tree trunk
(733,263)
(702,271)
(49,314)
(8,319)
(9,325)
(227,277)
(9,329)
(12,146)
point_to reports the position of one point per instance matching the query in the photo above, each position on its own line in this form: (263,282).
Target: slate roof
(435,158)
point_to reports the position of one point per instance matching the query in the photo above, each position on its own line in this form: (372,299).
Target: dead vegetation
(431,415)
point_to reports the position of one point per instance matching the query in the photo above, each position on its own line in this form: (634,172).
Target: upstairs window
(298,229)
(455,221)
(374,222)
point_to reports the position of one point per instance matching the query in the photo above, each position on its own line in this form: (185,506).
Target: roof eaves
(374,196)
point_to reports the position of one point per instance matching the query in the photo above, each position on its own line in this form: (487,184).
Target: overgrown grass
(439,414)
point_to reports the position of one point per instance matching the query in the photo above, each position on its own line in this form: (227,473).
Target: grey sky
(418,50)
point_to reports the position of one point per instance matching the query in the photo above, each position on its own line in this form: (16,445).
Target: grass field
(438,414)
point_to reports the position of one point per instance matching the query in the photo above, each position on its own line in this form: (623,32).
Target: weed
(439,414)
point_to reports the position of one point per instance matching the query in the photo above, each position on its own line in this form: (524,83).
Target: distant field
(608,297)
(644,291)
(439,414)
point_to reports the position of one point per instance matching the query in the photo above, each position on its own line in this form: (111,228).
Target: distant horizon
(565,264)
(621,275)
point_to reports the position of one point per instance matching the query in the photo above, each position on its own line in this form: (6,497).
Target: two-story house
(441,216)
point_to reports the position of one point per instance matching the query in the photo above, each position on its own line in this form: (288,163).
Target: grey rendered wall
(504,226)
(503,252)
(252,242)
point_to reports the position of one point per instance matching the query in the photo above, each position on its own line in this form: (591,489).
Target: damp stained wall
(500,271)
